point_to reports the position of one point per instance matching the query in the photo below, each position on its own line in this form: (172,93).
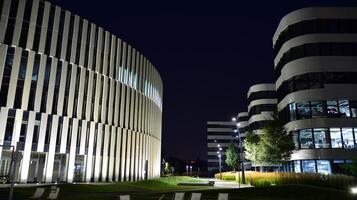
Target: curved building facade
(315,61)
(243,124)
(77,102)
(261,105)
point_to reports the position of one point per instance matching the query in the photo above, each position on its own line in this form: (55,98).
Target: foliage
(167,168)
(350,167)
(259,179)
(253,150)
(232,156)
(277,145)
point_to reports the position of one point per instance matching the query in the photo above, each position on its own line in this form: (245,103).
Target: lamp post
(187,170)
(219,160)
(241,149)
(220,168)
(191,170)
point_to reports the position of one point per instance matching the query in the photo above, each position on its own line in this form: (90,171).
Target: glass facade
(315,85)
(320,109)
(323,138)
(314,80)
(316,166)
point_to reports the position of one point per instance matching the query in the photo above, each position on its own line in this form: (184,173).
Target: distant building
(219,135)
(262,102)
(315,62)
(242,122)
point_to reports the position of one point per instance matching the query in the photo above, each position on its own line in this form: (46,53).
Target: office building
(77,103)
(261,105)
(220,134)
(315,59)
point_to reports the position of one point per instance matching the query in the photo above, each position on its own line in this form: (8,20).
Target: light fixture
(354,190)
(234,119)
(220,149)
(218,145)
(235,130)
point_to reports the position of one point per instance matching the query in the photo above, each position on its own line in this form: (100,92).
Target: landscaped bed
(283,178)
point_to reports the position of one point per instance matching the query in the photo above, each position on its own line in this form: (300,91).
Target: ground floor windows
(323,138)
(323,166)
(79,168)
(37,168)
(317,166)
(60,168)
(297,166)
(308,166)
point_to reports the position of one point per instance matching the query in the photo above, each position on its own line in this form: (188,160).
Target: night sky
(208,54)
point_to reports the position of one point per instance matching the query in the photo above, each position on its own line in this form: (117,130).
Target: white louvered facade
(77,102)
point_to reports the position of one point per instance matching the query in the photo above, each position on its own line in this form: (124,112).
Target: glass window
(355,134)
(336,141)
(332,109)
(347,135)
(353,106)
(318,109)
(308,166)
(295,135)
(9,128)
(306,139)
(315,80)
(303,110)
(321,138)
(323,166)
(297,166)
(301,82)
(292,108)
(344,108)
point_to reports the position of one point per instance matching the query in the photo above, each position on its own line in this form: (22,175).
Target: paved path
(226,184)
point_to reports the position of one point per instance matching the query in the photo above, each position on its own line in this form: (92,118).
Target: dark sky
(208,54)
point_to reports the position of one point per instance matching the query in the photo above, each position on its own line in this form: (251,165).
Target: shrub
(282,178)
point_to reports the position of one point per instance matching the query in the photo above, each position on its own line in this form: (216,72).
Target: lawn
(153,189)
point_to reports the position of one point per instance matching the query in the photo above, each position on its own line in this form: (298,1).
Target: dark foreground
(153,189)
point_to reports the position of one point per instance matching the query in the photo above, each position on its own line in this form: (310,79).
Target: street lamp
(220,160)
(220,168)
(241,152)
(191,170)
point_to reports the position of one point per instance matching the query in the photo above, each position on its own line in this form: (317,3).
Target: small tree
(167,168)
(253,150)
(231,156)
(277,145)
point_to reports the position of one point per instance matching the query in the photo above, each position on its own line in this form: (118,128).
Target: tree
(277,145)
(232,156)
(350,167)
(253,150)
(167,168)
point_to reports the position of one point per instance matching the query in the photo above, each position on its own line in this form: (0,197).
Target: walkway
(226,184)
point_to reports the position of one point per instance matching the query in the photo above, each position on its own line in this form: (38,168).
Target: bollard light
(353,190)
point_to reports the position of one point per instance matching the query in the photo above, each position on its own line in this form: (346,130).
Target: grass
(153,189)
